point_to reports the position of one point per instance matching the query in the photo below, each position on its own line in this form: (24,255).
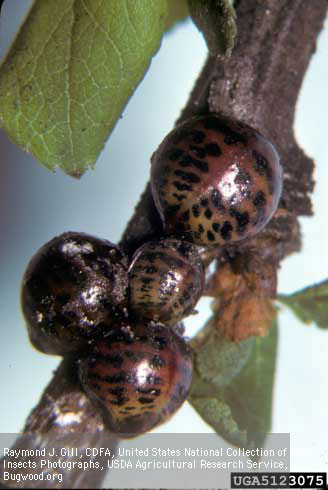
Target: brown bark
(259,85)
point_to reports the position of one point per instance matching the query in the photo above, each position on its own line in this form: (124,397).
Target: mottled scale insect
(215,181)
(72,286)
(139,375)
(166,279)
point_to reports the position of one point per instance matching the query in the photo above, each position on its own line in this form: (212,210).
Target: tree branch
(259,85)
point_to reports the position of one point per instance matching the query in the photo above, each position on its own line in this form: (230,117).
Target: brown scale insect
(72,286)
(166,279)
(139,374)
(215,181)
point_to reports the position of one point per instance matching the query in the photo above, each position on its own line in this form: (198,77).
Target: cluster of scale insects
(214,181)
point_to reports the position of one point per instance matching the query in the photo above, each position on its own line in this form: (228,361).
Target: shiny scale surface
(215,181)
(139,374)
(166,279)
(72,286)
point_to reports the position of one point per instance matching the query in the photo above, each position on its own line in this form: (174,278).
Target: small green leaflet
(239,410)
(309,304)
(216,19)
(70,72)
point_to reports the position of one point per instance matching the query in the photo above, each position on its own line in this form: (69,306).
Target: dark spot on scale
(145,400)
(208,213)
(149,391)
(180,186)
(161,342)
(216,227)
(201,165)
(217,200)
(195,210)
(204,203)
(119,402)
(189,177)
(147,280)
(185,216)
(226,230)
(154,380)
(259,200)
(188,160)
(174,154)
(231,137)
(198,151)
(116,378)
(151,269)
(149,256)
(261,163)
(260,216)
(128,409)
(179,197)
(185,161)
(114,360)
(164,256)
(119,390)
(158,361)
(243,177)
(201,229)
(263,168)
(131,379)
(197,136)
(173,209)
(213,150)
(210,236)
(241,218)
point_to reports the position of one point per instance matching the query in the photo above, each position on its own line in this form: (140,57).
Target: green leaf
(309,304)
(178,11)
(239,410)
(70,73)
(218,414)
(220,360)
(216,20)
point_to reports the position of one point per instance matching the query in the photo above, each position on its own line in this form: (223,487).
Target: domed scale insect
(215,181)
(73,286)
(166,279)
(140,374)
